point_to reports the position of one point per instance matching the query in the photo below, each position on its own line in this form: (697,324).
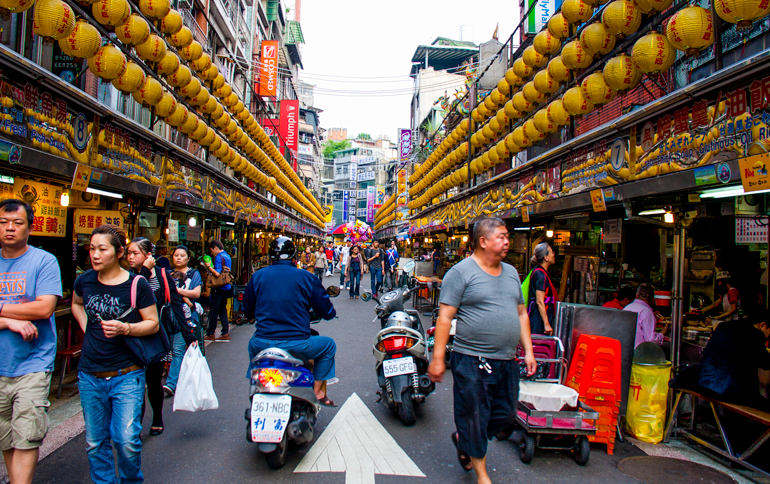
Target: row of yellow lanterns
(385,206)
(460,131)
(385,216)
(454,179)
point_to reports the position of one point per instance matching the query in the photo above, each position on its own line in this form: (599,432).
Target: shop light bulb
(166,231)
(465,238)
(65,199)
(668,218)
(549,233)
(192,222)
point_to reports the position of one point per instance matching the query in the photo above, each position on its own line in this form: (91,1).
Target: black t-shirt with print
(102,303)
(379,257)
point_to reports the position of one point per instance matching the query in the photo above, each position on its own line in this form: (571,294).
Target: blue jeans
(342,275)
(112,409)
(320,349)
(376,278)
(178,349)
(355,283)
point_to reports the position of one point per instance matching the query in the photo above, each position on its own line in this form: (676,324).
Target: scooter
(283,404)
(450,342)
(401,355)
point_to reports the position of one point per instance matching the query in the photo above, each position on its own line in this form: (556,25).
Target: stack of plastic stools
(595,374)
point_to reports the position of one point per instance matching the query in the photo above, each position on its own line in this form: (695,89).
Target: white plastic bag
(195,389)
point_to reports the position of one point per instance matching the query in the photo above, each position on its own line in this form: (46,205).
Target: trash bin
(647,401)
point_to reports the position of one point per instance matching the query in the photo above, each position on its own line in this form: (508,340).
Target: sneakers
(209,337)
(224,338)
(168,391)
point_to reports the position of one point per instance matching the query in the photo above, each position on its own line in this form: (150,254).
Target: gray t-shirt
(487,309)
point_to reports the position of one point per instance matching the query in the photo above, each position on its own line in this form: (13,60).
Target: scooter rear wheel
(277,458)
(406,409)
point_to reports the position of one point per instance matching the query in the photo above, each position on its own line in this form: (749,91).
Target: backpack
(392,257)
(525,288)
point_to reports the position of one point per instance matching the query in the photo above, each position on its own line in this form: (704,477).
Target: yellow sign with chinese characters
(50,217)
(597,200)
(87,220)
(754,174)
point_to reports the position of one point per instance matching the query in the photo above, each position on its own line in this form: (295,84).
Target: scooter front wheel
(277,458)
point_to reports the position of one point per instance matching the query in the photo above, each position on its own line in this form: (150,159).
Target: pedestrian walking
(219,295)
(308,260)
(345,254)
(320,263)
(31,289)
(329,251)
(391,265)
(485,296)
(111,385)
(436,256)
(542,295)
(353,271)
(376,263)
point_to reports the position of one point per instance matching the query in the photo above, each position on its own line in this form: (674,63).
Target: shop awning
(338,230)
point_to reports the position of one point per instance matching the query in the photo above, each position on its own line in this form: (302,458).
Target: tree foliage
(331,146)
(364,136)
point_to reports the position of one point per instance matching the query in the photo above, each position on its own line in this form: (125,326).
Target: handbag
(145,350)
(225,277)
(167,317)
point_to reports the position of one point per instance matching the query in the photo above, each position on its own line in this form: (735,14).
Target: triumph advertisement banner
(290,123)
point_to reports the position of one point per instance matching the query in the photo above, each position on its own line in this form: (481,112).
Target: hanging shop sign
(613,230)
(370,199)
(380,199)
(353,171)
(50,217)
(81,177)
(366,160)
(345,200)
(366,176)
(404,143)
(754,174)
(194,233)
(751,230)
(539,15)
(268,71)
(87,220)
(328,210)
(290,122)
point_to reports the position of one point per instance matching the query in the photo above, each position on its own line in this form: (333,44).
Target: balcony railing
(198,33)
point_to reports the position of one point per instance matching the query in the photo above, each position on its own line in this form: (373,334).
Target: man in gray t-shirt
(485,296)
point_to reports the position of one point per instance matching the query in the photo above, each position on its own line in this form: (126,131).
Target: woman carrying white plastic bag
(195,389)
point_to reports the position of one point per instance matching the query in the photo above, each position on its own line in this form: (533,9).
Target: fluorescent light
(65,199)
(192,222)
(522,228)
(102,192)
(656,211)
(230,223)
(668,218)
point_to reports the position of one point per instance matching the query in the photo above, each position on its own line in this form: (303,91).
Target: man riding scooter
(280,298)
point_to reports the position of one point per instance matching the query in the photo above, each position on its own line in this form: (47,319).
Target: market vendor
(626,295)
(727,296)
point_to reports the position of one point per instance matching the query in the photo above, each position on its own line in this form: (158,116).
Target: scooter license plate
(399,366)
(269,416)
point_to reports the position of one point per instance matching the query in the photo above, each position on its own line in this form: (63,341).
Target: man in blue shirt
(219,295)
(391,264)
(30,286)
(279,298)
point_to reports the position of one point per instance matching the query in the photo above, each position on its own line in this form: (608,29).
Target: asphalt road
(211,447)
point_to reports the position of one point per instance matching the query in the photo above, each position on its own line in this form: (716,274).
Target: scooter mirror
(366,296)
(409,267)
(333,291)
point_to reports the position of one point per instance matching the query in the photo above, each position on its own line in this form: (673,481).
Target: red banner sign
(290,123)
(268,72)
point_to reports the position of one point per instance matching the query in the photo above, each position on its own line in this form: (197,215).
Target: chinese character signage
(751,230)
(290,122)
(50,217)
(345,200)
(173,230)
(268,71)
(404,143)
(371,193)
(754,172)
(87,220)
(353,171)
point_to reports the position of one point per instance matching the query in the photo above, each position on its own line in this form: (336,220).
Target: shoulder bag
(168,318)
(225,277)
(145,350)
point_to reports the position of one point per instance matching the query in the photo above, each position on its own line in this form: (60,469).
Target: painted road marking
(357,444)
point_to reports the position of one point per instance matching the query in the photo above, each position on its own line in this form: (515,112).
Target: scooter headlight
(273,377)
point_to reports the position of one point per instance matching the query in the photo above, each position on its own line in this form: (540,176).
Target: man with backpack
(391,265)
(329,259)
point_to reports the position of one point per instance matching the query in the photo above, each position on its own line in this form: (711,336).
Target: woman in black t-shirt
(111,385)
(542,297)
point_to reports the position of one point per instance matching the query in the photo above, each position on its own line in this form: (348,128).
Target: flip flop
(462,456)
(326,402)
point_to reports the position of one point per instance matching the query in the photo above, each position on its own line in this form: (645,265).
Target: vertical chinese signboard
(404,143)
(268,71)
(50,217)
(370,199)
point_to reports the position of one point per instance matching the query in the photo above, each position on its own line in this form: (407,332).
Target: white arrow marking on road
(357,444)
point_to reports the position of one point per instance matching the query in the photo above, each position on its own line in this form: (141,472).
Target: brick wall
(618,106)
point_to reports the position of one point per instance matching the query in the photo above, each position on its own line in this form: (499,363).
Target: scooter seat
(305,361)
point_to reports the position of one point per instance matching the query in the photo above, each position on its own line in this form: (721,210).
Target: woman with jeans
(353,271)
(219,295)
(320,263)
(111,385)
(189,284)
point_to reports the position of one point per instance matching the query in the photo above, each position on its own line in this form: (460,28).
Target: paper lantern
(132,79)
(521,69)
(149,94)
(171,23)
(111,13)
(108,63)
(520,138)
(595,3)
(596,90)
(152,50)
(502,118)
(576,11)
(168,65)
(223,91)
(621,74)
(211,73)
(511,144)
(597,40)
(511,111)
(513,79)
(181,77)
(82,42)
(653,54)
(546,44)
(133,31)
(166,106)
(181,38)
(521,103)
(191,89)
(489,103)
(219,111)
(533,58)
(502,150)
(154,9)
(230,100)
(231,128)
(201,99)
(544,83)
(531,131)
(622,18)
(212,140)
(192,51)
(237,108)
(557,113)
(15,6)
(653,7)
(691,30)
(574,56)
(742,12)
(222,121)
(531,93)
(202,64)
(210,105)
(53,19)
(190,125)
(543,123)
(575,102)
(557,70)
(178,117)
(558,26)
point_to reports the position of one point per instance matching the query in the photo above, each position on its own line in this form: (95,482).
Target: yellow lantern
(653,54)
(154,9)
(691,30)
(178,117)
(622,18)
(531,132)
(533,58)
(596,3)
(575,102)
(181,77)
(521,69)
(211,73)
(230,100)
(521,103)
(238,107)
(488,133)
(546,44)
(211,140)
(53,19)
(543,123)
(511,144)
(108,63)
(202,64)
(231,128)
(201,99)
(171,23)
(557,70)
(511,111)
(111,13)
(169,64)
(192,52)
(503,87)
(620,73)
(223,91)
(652,7)
(513,79)
(520,138)
(149,94)
(82,42)
(531,93)
(211,105)
(489,103)
(576,11)
(166,106)
(742,12)
(502,150)
(596,90)
(15,6)
(558,26)
(219,111)
(191,89)
(131,80)
(557,113)
(544,83)
(502,118)
(182,38)
(153,49)
(190,125)
(222,121)
(133,31)
(574,56)
(597,40)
